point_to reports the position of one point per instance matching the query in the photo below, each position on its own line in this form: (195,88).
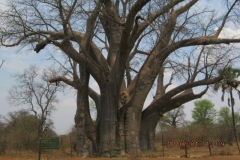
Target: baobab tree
(104,37)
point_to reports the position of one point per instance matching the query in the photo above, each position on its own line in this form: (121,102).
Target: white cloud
(167,74)
(229,33)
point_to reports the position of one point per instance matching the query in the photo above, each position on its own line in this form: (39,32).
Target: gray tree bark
(147,133)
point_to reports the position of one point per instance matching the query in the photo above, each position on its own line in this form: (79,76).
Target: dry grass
(29,155)
(197,152)
(175,152)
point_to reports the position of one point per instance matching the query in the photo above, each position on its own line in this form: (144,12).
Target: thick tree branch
(62,16)
(204,40)
(63,79)
(84,59)
(124,44)
(138,30)
(181,99)
(169,95)
(90,25)
(94,95)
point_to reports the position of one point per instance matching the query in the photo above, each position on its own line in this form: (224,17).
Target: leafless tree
(177,116)
(106,37)
(33,90)
(172,119)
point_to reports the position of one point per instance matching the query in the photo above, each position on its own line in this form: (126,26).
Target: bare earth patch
(235,157)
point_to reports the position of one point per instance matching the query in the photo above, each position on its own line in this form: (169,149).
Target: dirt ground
(163,158)
(235,157)
(202,153)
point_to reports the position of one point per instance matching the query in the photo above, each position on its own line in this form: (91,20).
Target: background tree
(173,118)
(225,121)
(2,136)
(177,116)
(24,126)
(229,83)
(204,113)
(104,36)
(2,126)
(225,117)
(33,90)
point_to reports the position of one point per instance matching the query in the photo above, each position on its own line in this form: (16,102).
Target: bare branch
(63,79)
(216,34)
(2,63)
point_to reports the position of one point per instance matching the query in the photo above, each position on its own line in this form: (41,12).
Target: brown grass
(175,152)
(198,152)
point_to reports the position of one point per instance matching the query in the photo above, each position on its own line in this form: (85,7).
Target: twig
(2,63)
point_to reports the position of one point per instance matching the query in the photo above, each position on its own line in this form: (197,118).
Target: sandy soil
(235,157)
(164,158)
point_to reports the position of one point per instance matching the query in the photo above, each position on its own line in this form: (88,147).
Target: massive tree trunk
(108,121)
(121,136)
(133,116)
(91,131)
(83,122)
(142,86)
(80,118)
(148,124)
(132,129)
(147,133)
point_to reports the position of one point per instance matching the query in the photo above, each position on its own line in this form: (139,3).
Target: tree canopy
(204,113)
(21,129)
(225,117)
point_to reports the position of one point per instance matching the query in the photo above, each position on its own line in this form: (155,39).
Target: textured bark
(147,133)
(121,136)
(142,86)
(90,130)
(84,124)
(81,143)
(108,121)
(132,129)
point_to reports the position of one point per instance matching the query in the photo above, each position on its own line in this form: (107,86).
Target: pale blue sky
(15,63)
